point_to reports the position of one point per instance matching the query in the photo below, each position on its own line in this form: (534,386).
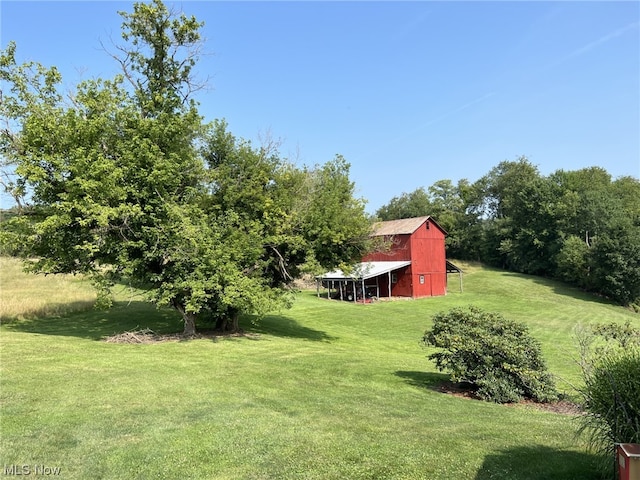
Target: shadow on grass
(281,326)
(430,380)
(97,324)
(138,315)
(563,289)
(539,463)
(323,296)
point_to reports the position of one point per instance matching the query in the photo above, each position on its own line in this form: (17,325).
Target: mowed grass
(326,390)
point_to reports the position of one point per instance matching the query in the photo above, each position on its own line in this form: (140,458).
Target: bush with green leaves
(611,393)
(496,355)
(612,400)
(624,335)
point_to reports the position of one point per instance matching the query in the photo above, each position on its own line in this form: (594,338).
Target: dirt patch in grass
(146,336)
(564,407)
(467,390)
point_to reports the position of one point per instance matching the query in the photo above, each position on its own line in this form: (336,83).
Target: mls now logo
(31,470)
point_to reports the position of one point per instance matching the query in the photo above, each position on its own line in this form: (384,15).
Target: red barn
(415,264)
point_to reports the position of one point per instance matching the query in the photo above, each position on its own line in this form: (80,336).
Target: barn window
(394,278)
(421,279)
(427,225)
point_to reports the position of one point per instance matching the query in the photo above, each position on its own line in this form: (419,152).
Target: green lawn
(326,390)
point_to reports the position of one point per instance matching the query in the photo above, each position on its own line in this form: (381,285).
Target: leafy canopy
(127,181)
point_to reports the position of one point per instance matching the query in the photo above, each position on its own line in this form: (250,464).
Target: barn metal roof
(365,270)
(398,227)
(404,226)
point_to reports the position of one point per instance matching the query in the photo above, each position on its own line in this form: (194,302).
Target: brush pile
(145,335)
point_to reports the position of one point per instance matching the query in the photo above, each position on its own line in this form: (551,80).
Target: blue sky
(408,92)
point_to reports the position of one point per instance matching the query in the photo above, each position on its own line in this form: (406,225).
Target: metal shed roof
(452,268)
(365,270)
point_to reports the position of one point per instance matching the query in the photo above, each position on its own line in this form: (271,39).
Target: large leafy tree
(579,226)
(127,181)
(407,205)
(280,220)
(598,222)
(513,202)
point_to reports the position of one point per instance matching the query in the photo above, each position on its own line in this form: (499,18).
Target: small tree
(496,355)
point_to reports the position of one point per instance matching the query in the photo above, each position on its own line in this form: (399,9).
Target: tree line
(581,227)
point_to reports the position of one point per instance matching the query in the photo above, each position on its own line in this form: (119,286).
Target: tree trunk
(220,323)
(188,318)
(189,324)
(229,323)
(234,323)
(233,315)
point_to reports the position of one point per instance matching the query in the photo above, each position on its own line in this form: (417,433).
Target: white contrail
(604,39)
(453,112)
(431,122)
(596,43)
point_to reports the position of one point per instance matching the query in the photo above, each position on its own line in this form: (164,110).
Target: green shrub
(611,392)
(496,355)
(624,335)
(612,403)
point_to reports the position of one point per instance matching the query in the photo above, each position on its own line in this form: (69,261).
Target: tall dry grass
(26,296)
